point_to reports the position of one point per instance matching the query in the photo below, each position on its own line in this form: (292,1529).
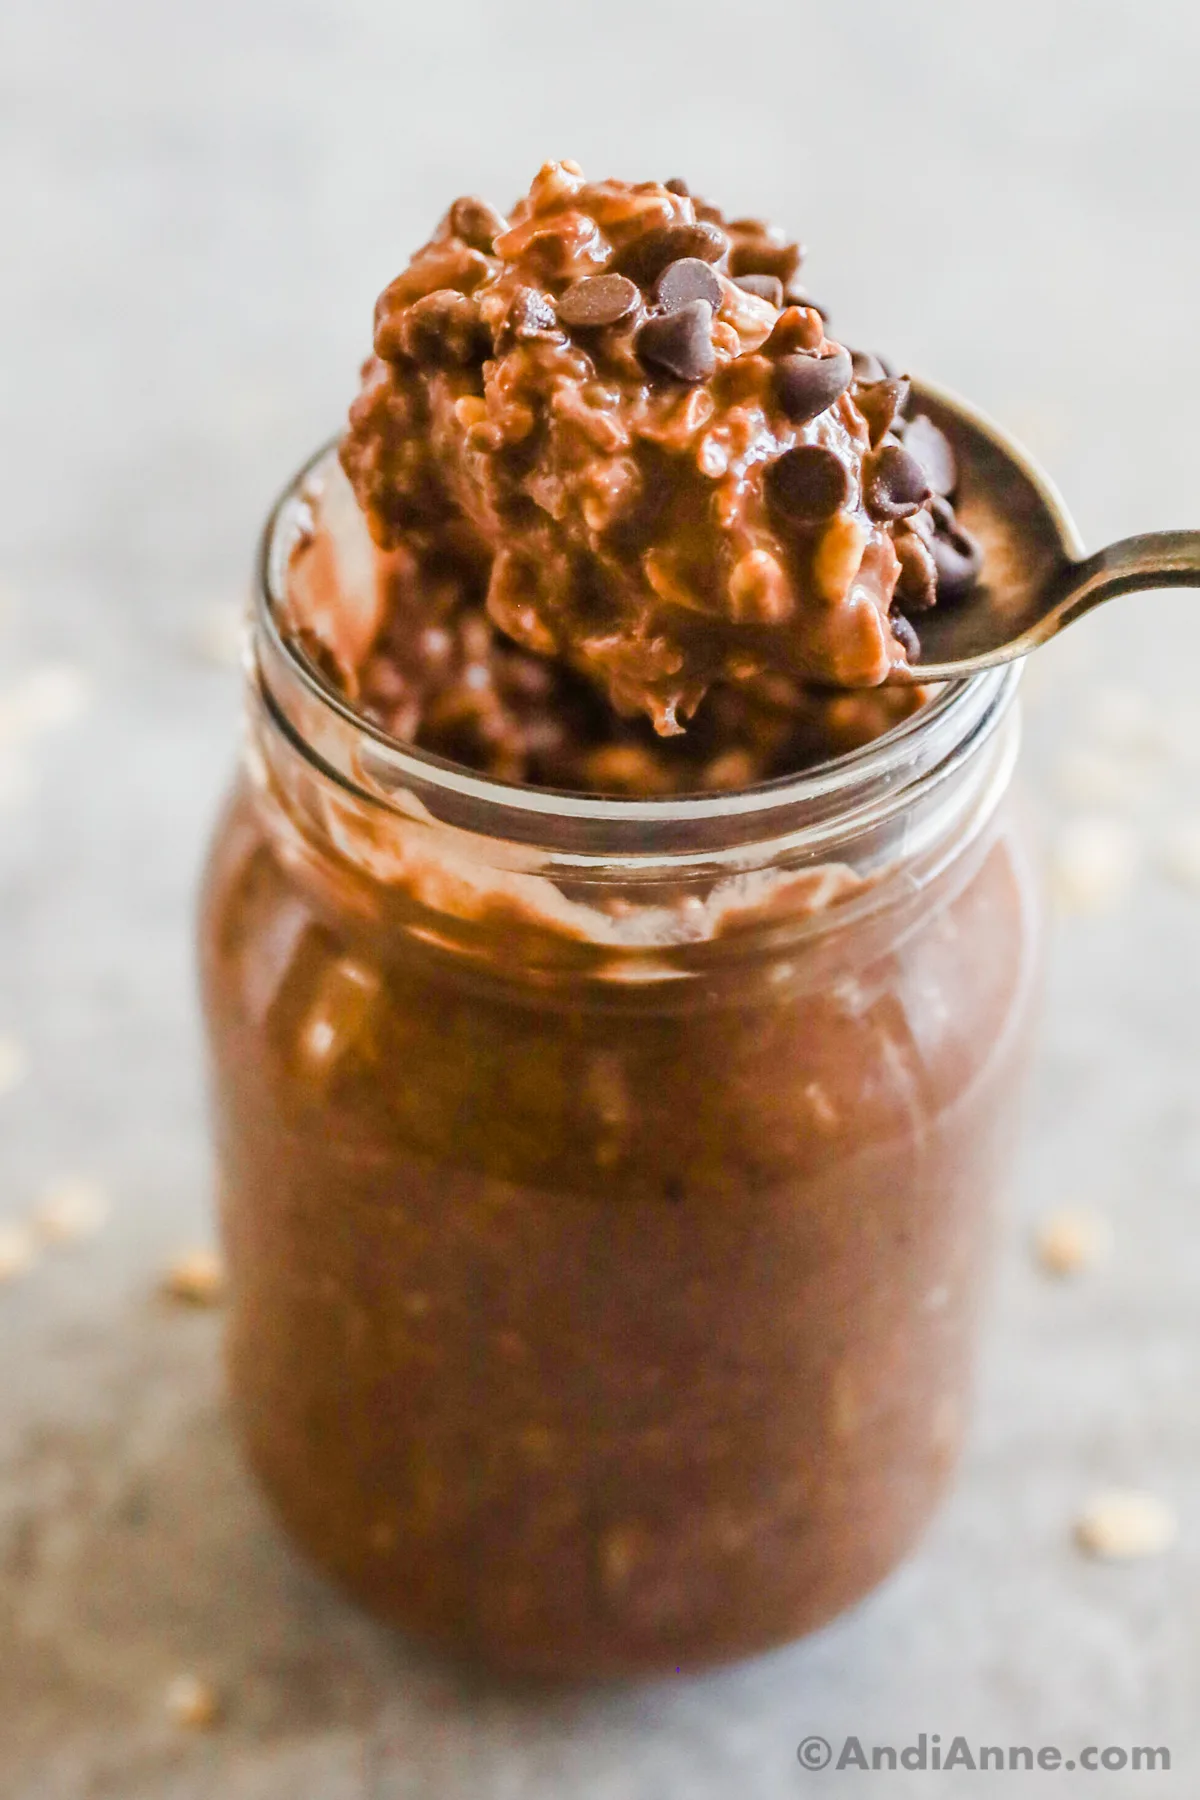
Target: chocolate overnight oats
(615,1021)
(621,477)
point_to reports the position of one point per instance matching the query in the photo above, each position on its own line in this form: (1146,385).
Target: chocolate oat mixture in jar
(615,1029)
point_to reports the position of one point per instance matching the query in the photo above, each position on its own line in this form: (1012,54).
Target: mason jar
(606,1184)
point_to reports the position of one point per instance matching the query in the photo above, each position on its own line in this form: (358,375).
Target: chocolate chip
(904,634)
(442,330)
(687,279)
(957,555)
(647,256)
(598,300)
(767,287)
(917,582)
(476,223)
(530,314)
(806,385)
(869,367)
(808,484)
(894,484)
(931,448)
(680,342)
(677,185)
(879,402)
(762,256)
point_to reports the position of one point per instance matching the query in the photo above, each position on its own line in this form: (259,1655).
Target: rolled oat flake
(1125,1524)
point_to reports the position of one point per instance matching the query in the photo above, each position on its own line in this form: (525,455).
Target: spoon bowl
(1036,575)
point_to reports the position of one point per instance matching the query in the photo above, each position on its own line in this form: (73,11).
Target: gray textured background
(198,204)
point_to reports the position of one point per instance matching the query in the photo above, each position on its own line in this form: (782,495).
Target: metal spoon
(1036,575)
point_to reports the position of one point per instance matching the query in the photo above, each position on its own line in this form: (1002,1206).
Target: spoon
(1036,575)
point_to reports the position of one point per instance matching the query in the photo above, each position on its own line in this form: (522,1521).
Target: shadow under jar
(607,1184)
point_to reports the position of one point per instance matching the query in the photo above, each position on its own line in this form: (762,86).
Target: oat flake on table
(73,1208)
(18,1252)
(1071,1241)
(1093,864)
(196,1278)
(192,1702)
(1125,1524)
(45,699)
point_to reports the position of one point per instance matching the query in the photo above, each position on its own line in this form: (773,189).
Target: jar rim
(825,800)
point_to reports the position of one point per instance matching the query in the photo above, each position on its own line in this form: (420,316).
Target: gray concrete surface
(198,206)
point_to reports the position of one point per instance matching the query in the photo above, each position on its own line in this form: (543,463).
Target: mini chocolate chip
(868,366)
(958,559)
(673,1189)
(762,256)
(894,484)
(680,342)
(904,634)
(879,402)
(476,223)
(806,385)
(932,450)
(598,300)
(442,330)
(767,287)
(917,582)
(808,484)
(530,314)
(647,256)
(687,279)
(677,185)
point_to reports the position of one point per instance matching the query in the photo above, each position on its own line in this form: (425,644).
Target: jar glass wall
(607,1185)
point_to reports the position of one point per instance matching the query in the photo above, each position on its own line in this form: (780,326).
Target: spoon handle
(1156,559)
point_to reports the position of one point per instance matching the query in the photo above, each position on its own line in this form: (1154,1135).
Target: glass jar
(607,1184)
